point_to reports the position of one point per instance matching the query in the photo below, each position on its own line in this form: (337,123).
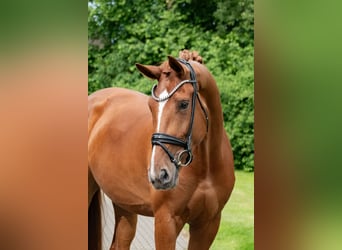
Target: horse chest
(204,202)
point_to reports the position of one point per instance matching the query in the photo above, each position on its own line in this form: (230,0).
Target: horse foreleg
(92,187)
(167,228)
(202,234)
(125,226)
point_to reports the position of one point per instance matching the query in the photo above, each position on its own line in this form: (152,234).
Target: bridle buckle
(188,158)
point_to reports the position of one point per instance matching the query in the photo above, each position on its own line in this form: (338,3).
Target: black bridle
(160,139)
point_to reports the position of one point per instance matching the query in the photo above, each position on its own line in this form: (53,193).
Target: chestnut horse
(166,155)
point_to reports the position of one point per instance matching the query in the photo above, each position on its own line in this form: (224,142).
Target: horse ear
(175,65)
(149,71)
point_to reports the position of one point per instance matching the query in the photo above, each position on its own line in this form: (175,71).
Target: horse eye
(167,73)
(183,105)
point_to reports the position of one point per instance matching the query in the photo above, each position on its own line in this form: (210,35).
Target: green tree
(236,16)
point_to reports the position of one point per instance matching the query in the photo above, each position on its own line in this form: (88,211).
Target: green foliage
(237,16)
(122,33)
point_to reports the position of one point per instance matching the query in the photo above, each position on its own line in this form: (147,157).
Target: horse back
(118,108)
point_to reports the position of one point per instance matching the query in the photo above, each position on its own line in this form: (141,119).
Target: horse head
(180,119)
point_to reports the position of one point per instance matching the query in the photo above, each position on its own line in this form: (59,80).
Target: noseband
(160,139)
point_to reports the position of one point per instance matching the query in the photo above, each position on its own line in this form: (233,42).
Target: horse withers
(166,155)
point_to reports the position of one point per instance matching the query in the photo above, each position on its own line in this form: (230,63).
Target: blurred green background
(299,116)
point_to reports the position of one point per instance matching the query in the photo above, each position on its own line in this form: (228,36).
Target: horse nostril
(164,176)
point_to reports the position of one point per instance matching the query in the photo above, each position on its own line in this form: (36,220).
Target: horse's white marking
(160,112)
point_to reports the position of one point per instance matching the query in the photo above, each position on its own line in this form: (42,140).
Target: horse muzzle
(163,179)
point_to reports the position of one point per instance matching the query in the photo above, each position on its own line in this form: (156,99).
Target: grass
(236,230)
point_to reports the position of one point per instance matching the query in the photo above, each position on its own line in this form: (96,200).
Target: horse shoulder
(225,177)
(213,190)
(204,203)
(218,185)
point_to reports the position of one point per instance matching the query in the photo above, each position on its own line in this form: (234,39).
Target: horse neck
(209,149)
(212,99)
(212,145)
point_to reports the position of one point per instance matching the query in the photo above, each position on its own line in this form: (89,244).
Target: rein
(161,139)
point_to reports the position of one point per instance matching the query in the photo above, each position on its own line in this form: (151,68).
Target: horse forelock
(169,84)
(204,78)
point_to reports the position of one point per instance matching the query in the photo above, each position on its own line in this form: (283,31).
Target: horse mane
(207,78)
(190,55)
